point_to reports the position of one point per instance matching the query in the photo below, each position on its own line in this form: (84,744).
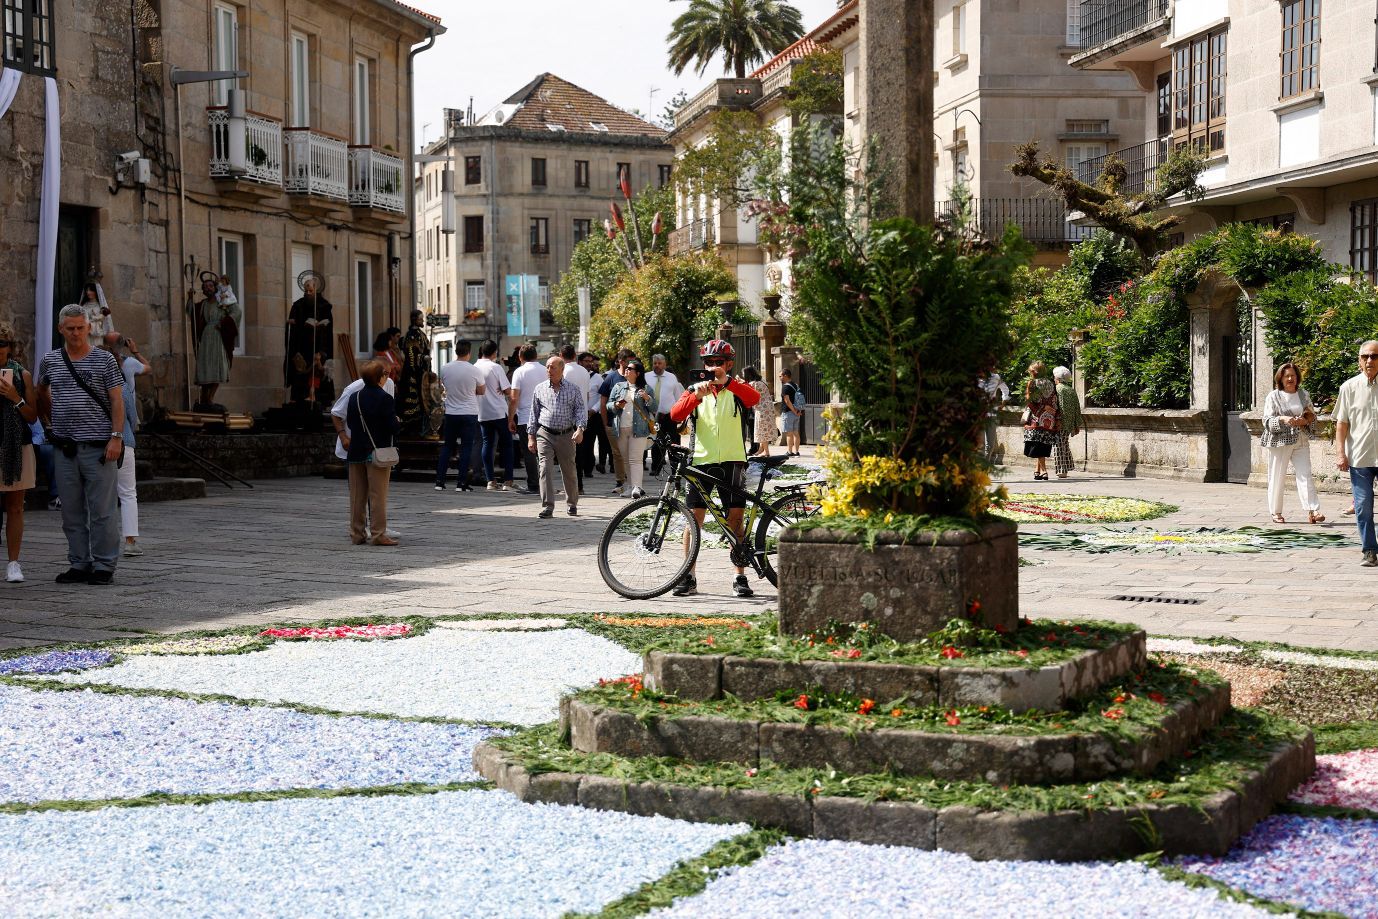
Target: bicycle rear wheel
(766,541)
(643,550)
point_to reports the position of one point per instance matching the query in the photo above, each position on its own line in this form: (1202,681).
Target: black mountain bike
(653,542)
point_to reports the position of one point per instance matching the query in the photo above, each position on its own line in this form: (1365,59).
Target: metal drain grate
(1183,601)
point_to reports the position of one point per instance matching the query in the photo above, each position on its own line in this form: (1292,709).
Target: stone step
(1208,826)
(702,677)
(1001,759)
(150,490)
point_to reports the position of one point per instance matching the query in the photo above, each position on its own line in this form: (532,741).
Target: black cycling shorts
(731,472)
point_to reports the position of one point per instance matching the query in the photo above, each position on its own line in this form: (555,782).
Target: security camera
(129,157)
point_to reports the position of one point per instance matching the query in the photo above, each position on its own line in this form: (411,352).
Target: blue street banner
(531,303)
(516,314)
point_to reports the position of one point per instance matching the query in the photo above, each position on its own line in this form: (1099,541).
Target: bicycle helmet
(717,348)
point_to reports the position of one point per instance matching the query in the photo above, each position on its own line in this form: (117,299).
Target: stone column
(784,357)
(772,332)
(897,71)
(1212,318)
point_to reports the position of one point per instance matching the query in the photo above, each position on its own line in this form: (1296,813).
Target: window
(363,306)
(29,36)
(581,173)
(1080,153)
(362,132)
(1363,237)
(959,29)
(232,267)
(1073,23)
(1088,126)
(301,81)
(622,169)
(583,229)
(226,50)
(447,295)
(540,236)
(961,167)
(537,172)
(475,297)
(473,234)
(473,170)
(543,292)
(1164,104)
(1198,93)
(663,174)
(1301,46)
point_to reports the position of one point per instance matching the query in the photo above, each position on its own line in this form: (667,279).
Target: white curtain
(48,205)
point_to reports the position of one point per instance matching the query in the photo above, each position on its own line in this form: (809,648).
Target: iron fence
(1041,220)
(1140,163)
(1104,21)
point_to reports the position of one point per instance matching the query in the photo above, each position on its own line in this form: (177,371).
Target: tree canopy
(745,32)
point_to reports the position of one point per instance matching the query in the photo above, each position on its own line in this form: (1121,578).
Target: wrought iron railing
(1140,164)
(375,179)
(262,147)
(1039,219)
(1104,21)
(316,164)
(694,235)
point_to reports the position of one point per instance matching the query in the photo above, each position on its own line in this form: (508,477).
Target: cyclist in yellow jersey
(718,406)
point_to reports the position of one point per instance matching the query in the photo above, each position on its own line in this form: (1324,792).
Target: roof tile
(551,103)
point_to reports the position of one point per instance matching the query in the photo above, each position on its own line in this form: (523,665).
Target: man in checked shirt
(559,413)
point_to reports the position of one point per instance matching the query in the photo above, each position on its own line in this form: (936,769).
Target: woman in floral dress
(765,431)
(1040,419)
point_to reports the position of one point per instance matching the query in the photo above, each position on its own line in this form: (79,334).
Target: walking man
(1356,443)
(576,375)
(81,400)
(594,436)
(665,391)
(525,379)
(492,417)
(559,413)
(463,384)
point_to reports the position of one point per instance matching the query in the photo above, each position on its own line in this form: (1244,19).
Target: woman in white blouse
(1287,419)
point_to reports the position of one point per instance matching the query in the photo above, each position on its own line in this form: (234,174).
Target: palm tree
(746,32)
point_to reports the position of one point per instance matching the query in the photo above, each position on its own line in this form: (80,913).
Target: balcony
(695,235)
(1115,31)
(262,148)
(1041,220)
(1141,166)
(316,165)
(375,180)
(731,93)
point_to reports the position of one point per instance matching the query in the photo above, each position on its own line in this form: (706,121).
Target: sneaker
(73,576)
(741,587)
(133,549)
(687,587)
(101,578)
(463,488)
(547,511)
(56,505)
(509,485)
(573,511)
(1370,560)
(494,486)
(617,491)
(638,493)
(439,487)
(13,573)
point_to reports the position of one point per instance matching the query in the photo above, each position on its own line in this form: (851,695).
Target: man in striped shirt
(559,414)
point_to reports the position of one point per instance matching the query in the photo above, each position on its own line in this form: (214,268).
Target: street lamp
(179,79)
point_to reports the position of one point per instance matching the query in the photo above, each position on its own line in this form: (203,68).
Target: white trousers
(129,496)
(632,448)
(1299,454)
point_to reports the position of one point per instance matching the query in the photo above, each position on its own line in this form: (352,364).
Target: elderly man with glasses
(1356,443)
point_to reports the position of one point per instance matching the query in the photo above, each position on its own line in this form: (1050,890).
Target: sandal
(1278,518)
(1317,517)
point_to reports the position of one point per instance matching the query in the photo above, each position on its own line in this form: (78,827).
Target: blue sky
(615,48)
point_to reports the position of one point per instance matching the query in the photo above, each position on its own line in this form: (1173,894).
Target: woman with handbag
(631,410)
(370,454)
(1287,418)
(17,469)
(1040,419)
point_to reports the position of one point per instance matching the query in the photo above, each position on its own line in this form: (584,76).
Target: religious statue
(416,363)
(97,312)
(218,316)
(310,343)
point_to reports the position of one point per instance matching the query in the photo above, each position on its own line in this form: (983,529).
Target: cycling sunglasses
(713,362)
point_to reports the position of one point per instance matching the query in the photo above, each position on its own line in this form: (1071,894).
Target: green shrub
(660,307)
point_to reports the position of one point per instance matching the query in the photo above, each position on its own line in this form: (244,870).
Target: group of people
(1051,418)
(82,409)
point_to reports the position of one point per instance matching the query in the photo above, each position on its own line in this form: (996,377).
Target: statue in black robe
(310,343)
(416,362)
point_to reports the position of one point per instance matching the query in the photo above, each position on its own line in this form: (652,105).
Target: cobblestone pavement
(281,552)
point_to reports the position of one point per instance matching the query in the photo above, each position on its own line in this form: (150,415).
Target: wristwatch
(117,435)
(21,403)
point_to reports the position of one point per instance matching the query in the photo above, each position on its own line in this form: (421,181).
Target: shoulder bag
(95,397)
(383,457)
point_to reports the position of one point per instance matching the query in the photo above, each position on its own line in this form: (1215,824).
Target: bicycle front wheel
(648,547)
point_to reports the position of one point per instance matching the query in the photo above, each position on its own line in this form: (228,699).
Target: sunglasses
(1362,357)
(713,362)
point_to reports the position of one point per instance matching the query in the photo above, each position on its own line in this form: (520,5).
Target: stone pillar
(772,332)
(1212,318)
(784,357)
(1076,339)
(897,71)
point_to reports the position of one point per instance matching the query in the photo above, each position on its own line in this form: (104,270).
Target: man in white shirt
(666,388)
(463,384)
(1356,444)
(525,379)
(577,376)
(595,435)
(492,417)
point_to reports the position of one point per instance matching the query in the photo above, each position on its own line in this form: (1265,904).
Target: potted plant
(257,155)
(901,320)
(770,301)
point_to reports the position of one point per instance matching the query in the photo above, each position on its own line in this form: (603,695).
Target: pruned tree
(1129,215)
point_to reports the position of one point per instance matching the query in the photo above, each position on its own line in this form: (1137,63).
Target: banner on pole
(585,317)
(516,314)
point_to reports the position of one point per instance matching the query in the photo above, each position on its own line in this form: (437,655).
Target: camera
(702,376)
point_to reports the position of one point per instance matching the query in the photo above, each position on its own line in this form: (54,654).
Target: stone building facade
(318,182)
(513,192)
